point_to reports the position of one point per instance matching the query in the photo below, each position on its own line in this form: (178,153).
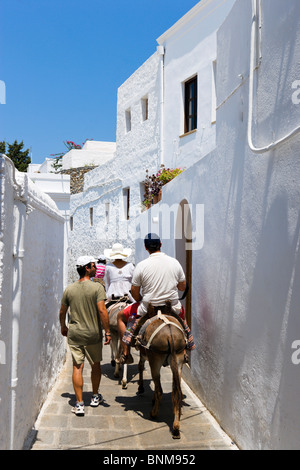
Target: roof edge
(183,20)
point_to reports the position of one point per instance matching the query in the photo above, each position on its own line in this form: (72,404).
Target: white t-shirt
(118,280)
(158,276)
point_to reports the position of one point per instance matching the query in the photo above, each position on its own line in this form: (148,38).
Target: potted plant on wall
(155,182)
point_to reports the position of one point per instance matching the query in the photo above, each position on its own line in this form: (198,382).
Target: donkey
(162,342)
(113,308)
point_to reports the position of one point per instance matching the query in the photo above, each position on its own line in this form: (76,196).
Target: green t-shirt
(84,322)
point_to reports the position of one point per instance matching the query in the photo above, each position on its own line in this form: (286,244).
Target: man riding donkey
(160,277)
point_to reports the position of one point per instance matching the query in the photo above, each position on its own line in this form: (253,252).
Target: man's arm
(62,320)
(135,292)
(181,285)
(104,320)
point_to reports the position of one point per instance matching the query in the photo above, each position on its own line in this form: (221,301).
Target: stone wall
(77,177)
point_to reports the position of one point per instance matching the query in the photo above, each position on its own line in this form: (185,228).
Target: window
(145,108)
(126,202)
(190,105)
(91,216)
(71,223)
(128,120)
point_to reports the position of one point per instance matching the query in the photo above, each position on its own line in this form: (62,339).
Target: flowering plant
(167,174)
(71,145)
(155,182)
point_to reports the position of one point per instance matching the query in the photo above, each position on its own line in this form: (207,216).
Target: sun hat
(84,260)
(102,256)
(117,252)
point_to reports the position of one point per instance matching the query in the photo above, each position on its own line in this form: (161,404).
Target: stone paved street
(123,421)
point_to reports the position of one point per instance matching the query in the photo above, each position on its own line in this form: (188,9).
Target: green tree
(14,151)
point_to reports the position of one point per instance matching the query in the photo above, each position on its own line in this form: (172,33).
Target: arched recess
(183,239)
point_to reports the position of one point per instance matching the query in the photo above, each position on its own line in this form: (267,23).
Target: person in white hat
(118,273)
(85,301)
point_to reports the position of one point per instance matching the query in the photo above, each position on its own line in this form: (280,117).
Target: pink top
(100,271)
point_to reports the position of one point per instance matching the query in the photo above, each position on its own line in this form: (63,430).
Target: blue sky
(62,62)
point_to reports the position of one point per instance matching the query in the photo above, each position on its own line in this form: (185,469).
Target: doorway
(183,239)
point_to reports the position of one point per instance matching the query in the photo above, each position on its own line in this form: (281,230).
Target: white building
(148,134)
(57,185)
(105,212)
(92,153)
(244,263)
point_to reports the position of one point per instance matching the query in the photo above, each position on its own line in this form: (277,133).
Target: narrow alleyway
(123,421)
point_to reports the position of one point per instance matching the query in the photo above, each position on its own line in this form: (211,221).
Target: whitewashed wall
(31,284)
(57,186)
(246,277)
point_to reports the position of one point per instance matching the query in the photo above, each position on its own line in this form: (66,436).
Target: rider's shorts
(131,310)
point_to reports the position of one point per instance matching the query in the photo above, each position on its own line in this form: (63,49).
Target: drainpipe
(20,207)
(161,53)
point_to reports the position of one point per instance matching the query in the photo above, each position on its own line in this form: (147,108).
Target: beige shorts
(93,353)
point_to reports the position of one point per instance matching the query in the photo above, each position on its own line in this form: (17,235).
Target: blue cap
(152,240)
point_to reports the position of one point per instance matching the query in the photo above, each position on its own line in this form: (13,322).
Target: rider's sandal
(126,359)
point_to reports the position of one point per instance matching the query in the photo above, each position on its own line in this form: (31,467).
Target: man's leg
(77,379)
(96,377)
(122,325)
(93,354)
(125,319)
(121,322)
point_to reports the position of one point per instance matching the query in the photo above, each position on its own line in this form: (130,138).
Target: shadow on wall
(269,300)
(279,68)
(263,368)
(272,324)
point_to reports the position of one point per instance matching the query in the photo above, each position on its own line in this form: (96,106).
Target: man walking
(87,315)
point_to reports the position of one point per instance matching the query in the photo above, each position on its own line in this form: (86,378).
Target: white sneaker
(78,409)
(96,400)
